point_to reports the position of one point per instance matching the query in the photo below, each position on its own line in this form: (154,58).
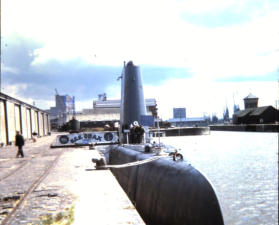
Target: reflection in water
(243,168)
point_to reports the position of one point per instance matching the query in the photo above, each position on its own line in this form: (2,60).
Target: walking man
(19,142)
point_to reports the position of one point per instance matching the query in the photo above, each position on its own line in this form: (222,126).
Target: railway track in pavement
(16,201)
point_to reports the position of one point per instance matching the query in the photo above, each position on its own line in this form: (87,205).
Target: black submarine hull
(164,191)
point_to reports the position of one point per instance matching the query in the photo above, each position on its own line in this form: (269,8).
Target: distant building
(151,105)
(250,101)
(235,108)
(109,110)
(64,106)
(106,111)
(179,113)
(252,114)
(103,111)
(102,97)
(179,119)
(226,115)
(191,122)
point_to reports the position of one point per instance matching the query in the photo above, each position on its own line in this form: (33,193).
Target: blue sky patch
(272,76)
(155,75)
(233,15)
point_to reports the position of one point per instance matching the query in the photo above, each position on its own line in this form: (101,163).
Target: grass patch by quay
(61,218)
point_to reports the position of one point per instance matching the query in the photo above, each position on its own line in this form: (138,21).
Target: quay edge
(247,127)
(181,131)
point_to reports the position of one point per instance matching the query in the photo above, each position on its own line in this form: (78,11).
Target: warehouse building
(16,115)
(252,114)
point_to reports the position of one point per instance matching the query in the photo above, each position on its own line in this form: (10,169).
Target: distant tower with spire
(226,115)
(235,106)
(251,101)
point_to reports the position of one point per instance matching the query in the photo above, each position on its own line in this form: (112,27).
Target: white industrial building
(103,110)
(180,120)
(109,110)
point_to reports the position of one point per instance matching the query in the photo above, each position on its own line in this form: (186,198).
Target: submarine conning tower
(132,98)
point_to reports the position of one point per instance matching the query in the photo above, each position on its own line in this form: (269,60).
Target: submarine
(164,188)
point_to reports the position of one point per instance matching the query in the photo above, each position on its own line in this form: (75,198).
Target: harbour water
(243,169)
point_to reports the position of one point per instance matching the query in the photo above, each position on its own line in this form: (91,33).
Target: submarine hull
(166,192)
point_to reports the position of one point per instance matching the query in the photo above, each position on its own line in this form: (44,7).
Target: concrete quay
(71,183)
(246,127)
(181,131)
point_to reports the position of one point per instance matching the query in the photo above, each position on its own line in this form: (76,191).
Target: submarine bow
(166,192)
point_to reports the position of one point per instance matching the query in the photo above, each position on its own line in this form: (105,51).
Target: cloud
(226,13)
(247,50)
(7,69)
(149,34)
(249,7)
(18,52)
(80,50)
(200,6)
(35,80)
(208,97)
(21,73)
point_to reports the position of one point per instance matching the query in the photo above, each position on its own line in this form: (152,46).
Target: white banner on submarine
(87,138)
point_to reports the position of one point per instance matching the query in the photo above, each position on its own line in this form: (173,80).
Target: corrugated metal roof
(17,101)
(243,113)
(252,112)
(116,103)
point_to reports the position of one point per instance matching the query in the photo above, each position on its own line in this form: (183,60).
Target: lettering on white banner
(87,138)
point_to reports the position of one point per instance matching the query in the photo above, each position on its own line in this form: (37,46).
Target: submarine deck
(47,183)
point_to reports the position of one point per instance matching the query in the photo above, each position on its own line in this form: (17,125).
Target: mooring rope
(140,162)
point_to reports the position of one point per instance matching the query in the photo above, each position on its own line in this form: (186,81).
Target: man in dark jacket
(19,142)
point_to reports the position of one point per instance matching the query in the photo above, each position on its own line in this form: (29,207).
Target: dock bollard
(100,162)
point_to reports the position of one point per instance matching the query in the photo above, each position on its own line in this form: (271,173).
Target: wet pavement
(49,181)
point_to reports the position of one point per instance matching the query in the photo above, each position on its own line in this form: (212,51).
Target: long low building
(109,110)
(16,115)
(184,122)
(103,111)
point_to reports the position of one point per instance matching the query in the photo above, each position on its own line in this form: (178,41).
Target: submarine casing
(166,192)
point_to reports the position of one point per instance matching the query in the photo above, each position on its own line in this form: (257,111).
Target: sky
(201,55)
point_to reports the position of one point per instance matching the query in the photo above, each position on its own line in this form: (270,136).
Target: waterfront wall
(247,127)
(165,191)
(16,115)
(183,131)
